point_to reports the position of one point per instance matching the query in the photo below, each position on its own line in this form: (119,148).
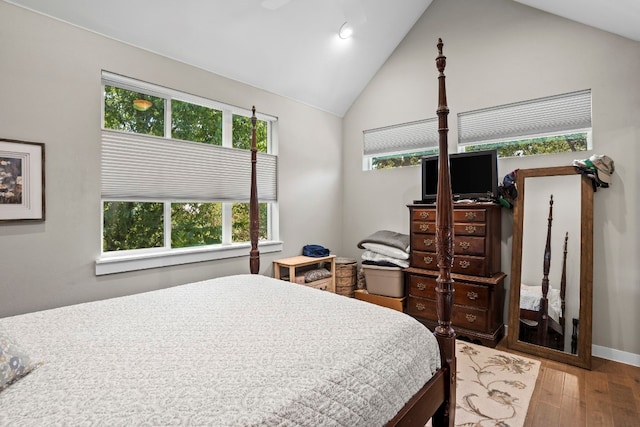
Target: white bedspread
(236,351)
(530,300)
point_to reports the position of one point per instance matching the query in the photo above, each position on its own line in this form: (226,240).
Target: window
(400,145)
(555,124)
(176,177)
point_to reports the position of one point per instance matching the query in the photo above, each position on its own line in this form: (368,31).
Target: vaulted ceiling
(291,47)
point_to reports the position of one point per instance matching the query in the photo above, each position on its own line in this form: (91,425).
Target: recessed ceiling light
(345,31)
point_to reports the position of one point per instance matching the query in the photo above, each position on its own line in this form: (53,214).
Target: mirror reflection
(550,271)
(552,265)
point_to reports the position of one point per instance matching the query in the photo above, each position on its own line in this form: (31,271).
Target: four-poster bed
(241,350)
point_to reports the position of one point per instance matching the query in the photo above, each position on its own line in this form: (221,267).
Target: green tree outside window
(137,225)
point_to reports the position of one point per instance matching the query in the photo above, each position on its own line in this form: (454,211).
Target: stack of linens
(386,248)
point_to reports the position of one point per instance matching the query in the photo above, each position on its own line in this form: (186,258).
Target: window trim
(123,82)
(143,259)
(587,131)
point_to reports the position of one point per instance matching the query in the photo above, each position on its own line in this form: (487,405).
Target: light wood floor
(607,395)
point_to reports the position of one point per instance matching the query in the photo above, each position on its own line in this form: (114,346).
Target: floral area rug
(493,387)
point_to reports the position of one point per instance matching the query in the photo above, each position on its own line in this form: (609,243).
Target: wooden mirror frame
(583,358)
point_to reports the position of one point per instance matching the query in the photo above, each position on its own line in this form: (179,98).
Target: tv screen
(474,175)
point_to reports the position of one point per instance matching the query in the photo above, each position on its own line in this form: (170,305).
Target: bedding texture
(242,350)
(530,300)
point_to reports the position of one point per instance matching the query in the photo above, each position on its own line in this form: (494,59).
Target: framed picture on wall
(21,180)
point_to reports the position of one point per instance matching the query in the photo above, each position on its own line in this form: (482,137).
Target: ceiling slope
(290,47)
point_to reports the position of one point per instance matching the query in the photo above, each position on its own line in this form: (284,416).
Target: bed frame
(437,399)
(536,326)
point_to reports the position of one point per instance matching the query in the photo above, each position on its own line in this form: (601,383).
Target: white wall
(499,51)
(50,92)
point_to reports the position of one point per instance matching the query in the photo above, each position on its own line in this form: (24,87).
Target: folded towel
(388,238)
(374,256)
(386,250)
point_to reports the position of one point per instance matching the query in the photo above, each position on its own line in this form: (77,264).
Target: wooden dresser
(478,281)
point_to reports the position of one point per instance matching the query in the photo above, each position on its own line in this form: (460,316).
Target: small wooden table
(303,261)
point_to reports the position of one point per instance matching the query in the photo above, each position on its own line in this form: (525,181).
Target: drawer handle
(464,245)
(428,242)
(470,228)
(424,227)
(464,264)
(472,295)
(471,318)
(421,286)
(420,306)
(470,215)
(424,215)
(428,260)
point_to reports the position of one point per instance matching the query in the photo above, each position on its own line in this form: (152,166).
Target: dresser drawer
(322,284)
(459,215)
(463,245)
(422,286)
(423,227)
(423,242)
(466,293)
(469,229)
(421,307)
(470,318)
(420,259)
(459,228)
(469,265)
(471,295)
(469,245)
(463,317)
(470,215)
(424,214)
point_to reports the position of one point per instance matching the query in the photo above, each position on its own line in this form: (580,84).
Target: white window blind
(402,138)
(554,114)
(142,167)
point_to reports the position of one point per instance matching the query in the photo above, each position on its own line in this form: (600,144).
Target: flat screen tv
(474,176)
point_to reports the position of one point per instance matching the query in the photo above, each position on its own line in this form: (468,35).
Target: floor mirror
(550,307)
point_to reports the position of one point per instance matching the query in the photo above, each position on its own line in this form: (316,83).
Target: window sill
(117,263)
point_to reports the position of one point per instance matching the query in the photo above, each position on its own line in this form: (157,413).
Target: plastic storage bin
(387,281)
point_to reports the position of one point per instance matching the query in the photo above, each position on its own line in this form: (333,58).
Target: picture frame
(22,179)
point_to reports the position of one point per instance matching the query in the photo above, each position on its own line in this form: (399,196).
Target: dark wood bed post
(544,302)
(254,217)
(444,333)
(563,283)
(437,399)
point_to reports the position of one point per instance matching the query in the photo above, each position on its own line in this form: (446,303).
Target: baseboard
(607,353)
(616,355)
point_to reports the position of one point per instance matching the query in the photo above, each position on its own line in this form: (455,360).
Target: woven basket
(346,276)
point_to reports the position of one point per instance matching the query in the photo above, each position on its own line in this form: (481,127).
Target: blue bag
(315,251)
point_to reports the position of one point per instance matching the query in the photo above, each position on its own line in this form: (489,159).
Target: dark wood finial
(441,60)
